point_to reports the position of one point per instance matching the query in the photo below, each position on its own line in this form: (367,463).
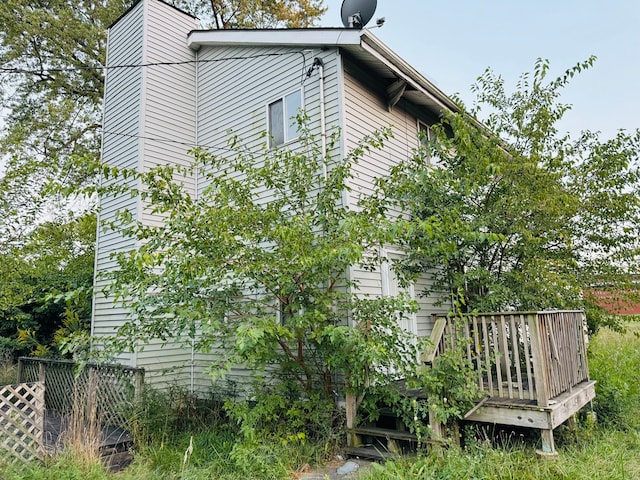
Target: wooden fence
(22,421)
(106,391)
(532,356)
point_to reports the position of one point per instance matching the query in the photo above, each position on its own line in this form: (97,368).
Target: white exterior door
(391,288)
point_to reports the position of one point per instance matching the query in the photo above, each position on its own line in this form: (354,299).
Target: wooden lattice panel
(115,396)
(22,420)
(107,392)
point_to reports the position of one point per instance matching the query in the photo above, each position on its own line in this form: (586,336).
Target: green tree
(51,89)
(266,14)
(46,289)
(514,214)
(263,282)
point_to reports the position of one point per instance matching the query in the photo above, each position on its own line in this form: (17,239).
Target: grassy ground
(608,450)
(608,455)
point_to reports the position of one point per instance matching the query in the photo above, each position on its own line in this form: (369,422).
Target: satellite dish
(357,13)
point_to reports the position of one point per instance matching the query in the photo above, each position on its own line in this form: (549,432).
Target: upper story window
(425,132)
(283,126)
(426,135)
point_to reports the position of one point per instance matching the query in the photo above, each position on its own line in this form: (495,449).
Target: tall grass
(614,362)
(83,436)
(612,455)
(8,370)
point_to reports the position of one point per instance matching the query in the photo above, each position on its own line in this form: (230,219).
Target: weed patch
(614,361)
(8,371)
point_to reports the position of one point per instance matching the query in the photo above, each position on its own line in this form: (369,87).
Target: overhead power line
(176,142)
(41,71)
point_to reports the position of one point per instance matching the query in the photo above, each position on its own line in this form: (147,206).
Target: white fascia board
(313,37)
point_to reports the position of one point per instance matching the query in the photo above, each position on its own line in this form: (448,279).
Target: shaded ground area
(115,443)
(55,427)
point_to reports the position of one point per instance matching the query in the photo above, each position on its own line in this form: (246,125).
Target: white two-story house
(170,87)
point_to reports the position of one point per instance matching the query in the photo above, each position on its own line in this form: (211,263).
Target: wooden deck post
(42,372)
(353,440)
(548,445)
(437,432)
(139,385)
(92,396)
(20,373)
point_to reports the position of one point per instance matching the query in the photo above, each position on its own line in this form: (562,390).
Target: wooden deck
(115,443)
(525,413)
(531,369)
(531,366)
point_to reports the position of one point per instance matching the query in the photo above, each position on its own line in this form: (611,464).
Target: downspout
(192,372)
(317,62)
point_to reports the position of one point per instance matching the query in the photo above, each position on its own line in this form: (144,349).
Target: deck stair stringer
(385,437)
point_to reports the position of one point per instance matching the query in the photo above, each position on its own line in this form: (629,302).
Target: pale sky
(453,42)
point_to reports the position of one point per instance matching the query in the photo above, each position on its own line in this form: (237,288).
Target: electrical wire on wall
(44,71)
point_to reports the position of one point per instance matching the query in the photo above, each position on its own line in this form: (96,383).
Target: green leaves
(255,266)
(517,215)
(47,284)
(266,14)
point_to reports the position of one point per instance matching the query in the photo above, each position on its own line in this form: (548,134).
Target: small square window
(283,126)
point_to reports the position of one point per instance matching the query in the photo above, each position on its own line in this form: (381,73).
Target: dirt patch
(330,470)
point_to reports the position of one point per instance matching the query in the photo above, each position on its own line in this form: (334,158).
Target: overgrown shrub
(283,411)
(161,415)
(448,390)
(8,371)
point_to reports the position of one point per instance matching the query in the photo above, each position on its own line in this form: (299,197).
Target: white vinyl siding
(365,113)
(149,120)
(236,85)
(120,148)
(168,126)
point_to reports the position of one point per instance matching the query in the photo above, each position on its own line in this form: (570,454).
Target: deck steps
(380,443)
(385,433)
(369,452)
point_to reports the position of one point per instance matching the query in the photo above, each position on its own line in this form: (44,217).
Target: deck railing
(529,356)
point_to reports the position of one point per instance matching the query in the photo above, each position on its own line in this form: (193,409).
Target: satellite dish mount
(357,13)
(355,20)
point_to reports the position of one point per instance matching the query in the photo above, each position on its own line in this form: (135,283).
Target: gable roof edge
(405,71)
